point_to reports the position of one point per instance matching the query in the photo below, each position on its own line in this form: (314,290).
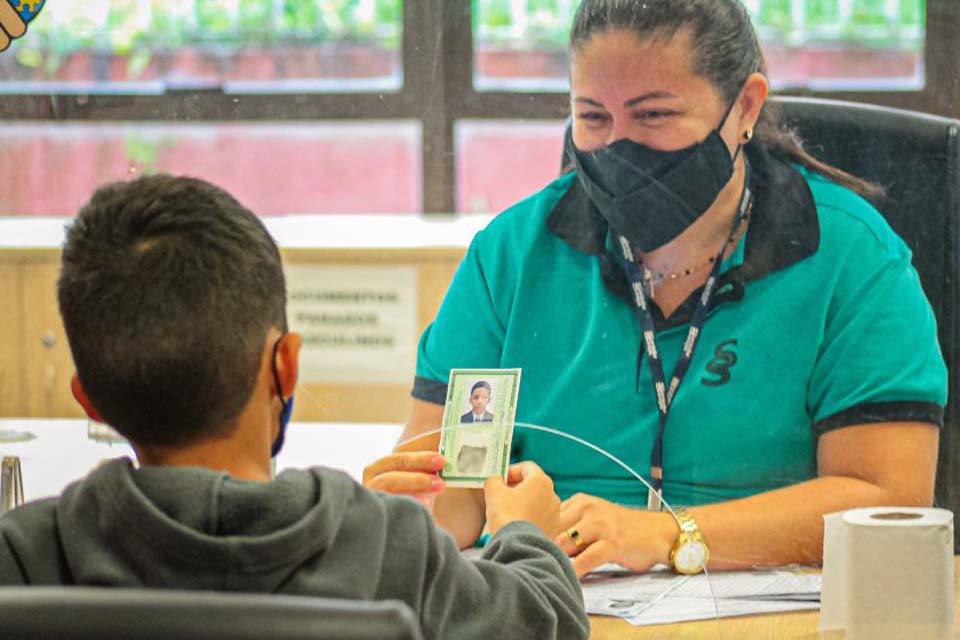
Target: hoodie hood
(198,528)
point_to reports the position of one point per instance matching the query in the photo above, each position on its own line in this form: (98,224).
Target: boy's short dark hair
(168,287)
(482,384)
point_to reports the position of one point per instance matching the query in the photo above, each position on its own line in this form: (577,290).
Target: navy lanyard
(642,287)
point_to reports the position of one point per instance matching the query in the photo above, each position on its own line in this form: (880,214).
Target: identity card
(477,426)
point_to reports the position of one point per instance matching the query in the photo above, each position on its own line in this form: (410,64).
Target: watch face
(691,557)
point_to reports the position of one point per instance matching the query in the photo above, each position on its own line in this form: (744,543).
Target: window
(274,168)
(498,163)
(321,70)
(522,44)
(149,46)
(818,44)
(842,44)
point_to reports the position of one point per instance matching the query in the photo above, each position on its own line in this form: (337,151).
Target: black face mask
(651,196)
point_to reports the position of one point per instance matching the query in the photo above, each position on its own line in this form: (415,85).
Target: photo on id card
(477,426)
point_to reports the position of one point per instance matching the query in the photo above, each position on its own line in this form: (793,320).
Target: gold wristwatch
(690,553)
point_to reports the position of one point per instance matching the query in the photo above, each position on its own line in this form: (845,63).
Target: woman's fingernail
(436,484)
(437,462)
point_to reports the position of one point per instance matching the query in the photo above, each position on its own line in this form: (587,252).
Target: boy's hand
(527,495)
(412,473)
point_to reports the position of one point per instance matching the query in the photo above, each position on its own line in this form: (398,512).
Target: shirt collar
(784,229)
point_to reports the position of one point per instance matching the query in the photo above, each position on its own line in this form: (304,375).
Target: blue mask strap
(286,405)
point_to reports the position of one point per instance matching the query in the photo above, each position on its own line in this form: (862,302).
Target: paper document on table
(670,610)
(765,585)
(660,597)
(625,595)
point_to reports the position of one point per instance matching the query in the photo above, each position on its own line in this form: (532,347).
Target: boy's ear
(81,397)
(288,362)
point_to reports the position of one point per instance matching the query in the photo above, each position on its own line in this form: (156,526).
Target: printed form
(662,597)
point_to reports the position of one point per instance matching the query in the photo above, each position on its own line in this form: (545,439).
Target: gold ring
(576,538)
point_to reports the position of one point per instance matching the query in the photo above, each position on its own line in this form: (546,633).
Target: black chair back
(916,157)
(91,613)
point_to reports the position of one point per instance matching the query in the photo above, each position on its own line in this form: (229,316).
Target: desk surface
(786,626)
(63,452)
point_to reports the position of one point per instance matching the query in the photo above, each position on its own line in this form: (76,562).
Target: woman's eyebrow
(653,95)
(590,101)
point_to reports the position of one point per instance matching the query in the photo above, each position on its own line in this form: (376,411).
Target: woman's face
(646,91)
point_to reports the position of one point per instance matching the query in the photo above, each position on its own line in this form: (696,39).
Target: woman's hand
(412,473)
(634,538)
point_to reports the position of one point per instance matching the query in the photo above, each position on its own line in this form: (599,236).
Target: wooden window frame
(438,90)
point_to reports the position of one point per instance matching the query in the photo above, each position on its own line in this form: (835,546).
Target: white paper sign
(359,323)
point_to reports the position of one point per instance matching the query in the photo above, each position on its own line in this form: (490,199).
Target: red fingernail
(437,462)
(436,484)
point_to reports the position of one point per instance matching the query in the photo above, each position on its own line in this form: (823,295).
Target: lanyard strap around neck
(642,289)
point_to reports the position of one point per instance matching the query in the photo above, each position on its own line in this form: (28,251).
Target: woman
(788,364)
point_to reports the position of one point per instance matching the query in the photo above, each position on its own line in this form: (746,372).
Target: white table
(63,452)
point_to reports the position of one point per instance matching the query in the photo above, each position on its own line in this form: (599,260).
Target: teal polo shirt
(819,323)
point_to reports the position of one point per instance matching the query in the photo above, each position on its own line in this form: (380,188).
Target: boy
(173,299)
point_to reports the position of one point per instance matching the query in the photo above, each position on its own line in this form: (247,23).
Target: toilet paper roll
(834,578)
(888,573)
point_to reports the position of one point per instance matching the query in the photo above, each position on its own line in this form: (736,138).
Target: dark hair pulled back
(726,51)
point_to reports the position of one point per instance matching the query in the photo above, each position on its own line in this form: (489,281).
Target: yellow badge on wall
(15,15)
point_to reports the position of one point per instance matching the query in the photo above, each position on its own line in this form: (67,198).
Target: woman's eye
(592,116)
(652,115)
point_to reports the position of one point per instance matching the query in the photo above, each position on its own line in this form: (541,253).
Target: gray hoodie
(308,532)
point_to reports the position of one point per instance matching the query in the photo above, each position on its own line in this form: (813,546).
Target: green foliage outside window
(135,28)
(131,27)
(868,22)
(546,22)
